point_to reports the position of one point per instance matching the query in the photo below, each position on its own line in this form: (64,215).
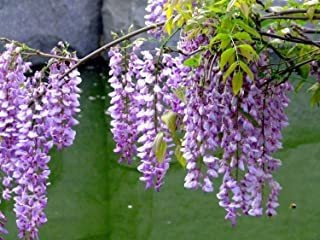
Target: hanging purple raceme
(137,105)
(38,115)
(61,103)
(149,87)
(13,98)
(124,102)
(200,120)
(248,144)
(175,74)
(155,14)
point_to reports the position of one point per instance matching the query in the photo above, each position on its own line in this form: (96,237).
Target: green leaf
(247,28)
(169,11)
(194,61)
(227,24)
(245,9)
(160,147)
(315,98)
(314,87)
(181,93)
(225,43)
(242,36)
(225,56)
(304,71)
(230,70)
(246,69)
(169,118)
(237,82)
(179,156)
(219,37)
(310,12)
(299,86)
(169,26)
(248,52)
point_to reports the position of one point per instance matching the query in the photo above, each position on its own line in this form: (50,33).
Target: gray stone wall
(120,14)
(82,23)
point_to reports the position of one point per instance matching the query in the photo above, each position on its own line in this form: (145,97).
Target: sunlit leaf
(230,70)
(179,156)
(248,51)
(180,93)
(237,82)
(225,56)
(246,69)
(160,147)
(242,36)
(247,28)
(304,71)
(193,61)
(169,118)
(310,12)
(245,9)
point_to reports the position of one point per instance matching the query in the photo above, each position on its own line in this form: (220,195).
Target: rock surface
(120,14)
(43,23)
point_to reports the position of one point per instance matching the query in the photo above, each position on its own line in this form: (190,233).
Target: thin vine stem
(111,44)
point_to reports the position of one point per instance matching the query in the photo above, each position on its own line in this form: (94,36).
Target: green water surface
(92,197)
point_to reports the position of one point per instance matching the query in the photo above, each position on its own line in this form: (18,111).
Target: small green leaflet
(248,52)
(310,12)
(230,70)
(304,71)
(194,61)
(180,157)
(299,85)
(315,98)
(245,9)
(160,147)
(247,28)
(246,69)
(237,82)
(219,37)
(226,55)
(169,118)
(180,92)
(242,36)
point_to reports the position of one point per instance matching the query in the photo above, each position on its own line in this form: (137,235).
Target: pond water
(92,197)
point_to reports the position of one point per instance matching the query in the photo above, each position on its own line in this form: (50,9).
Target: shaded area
(92,197)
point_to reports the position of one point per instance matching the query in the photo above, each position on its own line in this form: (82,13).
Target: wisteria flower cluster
(37,113)
(227,132)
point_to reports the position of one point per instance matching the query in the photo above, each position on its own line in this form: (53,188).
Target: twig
(291,39)
(103,48)
(47,55)
(317,17)
(111,44)
(276,51)
(35,52)
(287,12)
(296,66)
(306,29)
